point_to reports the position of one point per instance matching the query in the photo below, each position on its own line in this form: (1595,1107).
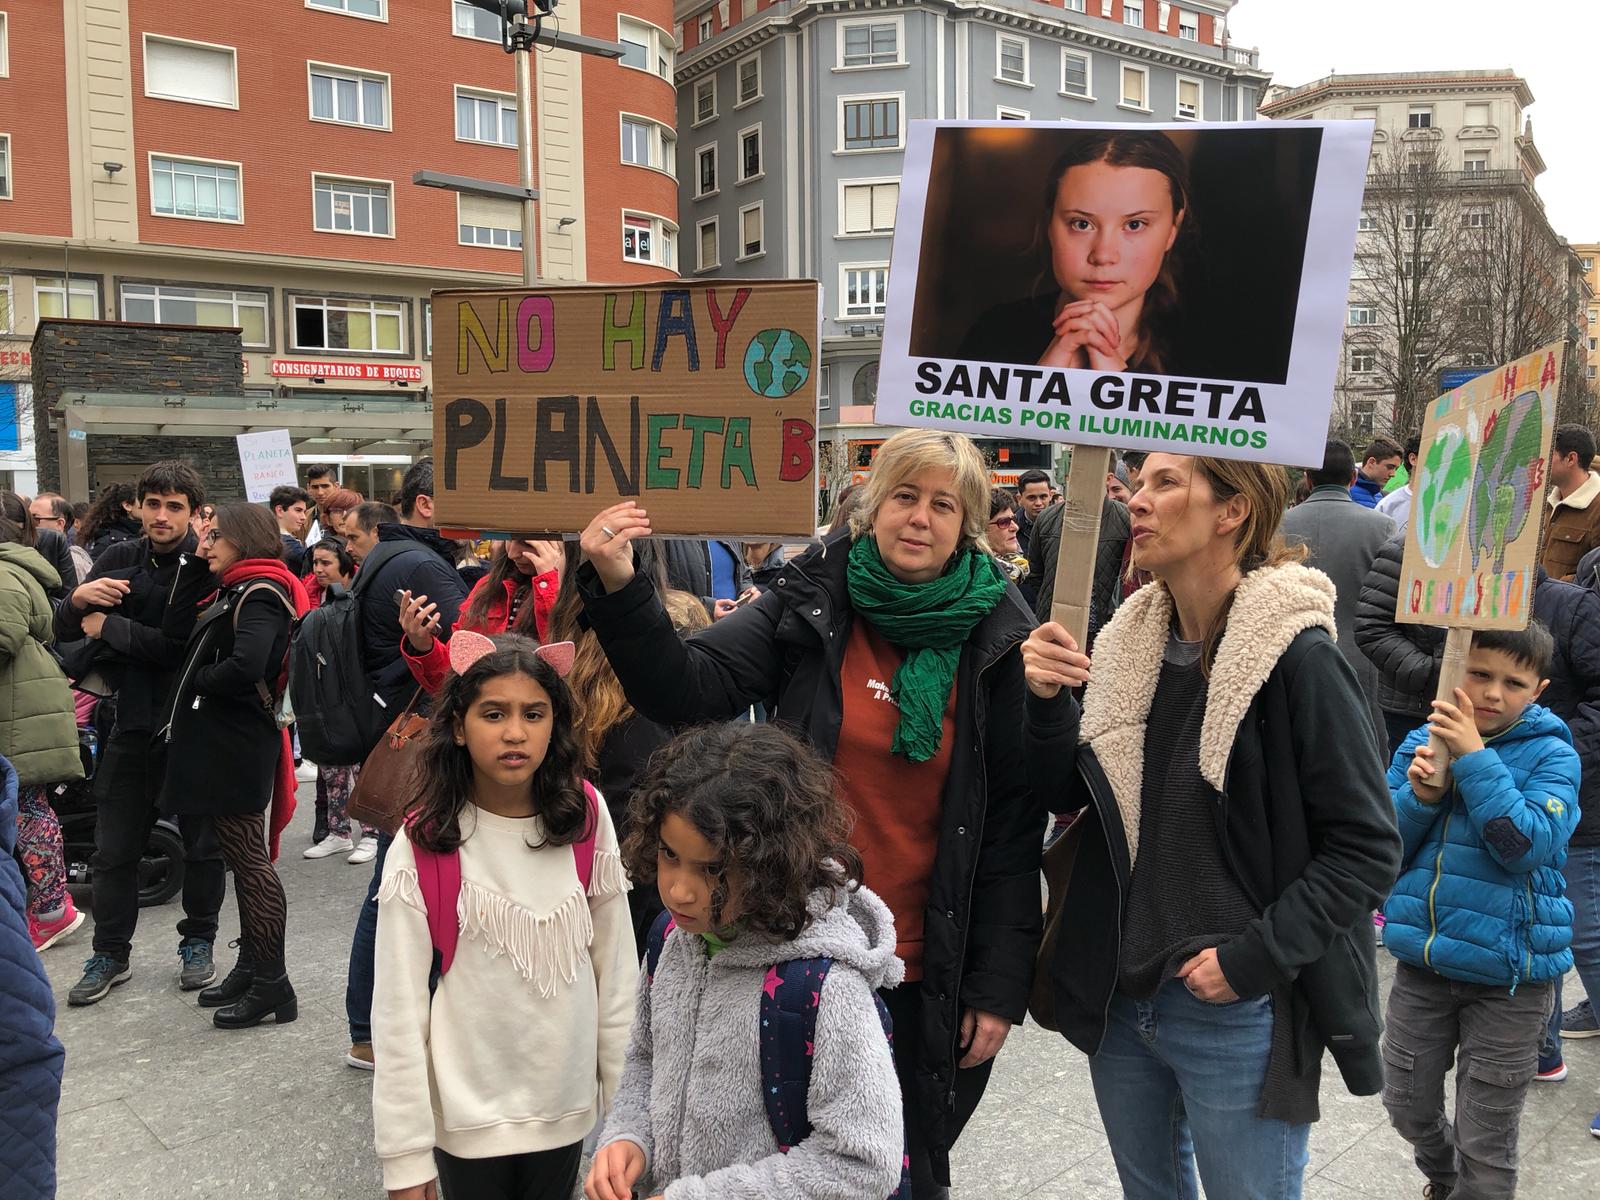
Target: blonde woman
(1236,835)
(894,648)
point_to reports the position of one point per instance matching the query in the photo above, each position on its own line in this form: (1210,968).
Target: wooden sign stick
(1452,674)
(1080,541)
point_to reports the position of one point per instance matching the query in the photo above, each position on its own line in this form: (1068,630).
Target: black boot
(237,982)
(269,995)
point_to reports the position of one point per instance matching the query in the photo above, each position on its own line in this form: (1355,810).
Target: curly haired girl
(492,1064)
(740,830)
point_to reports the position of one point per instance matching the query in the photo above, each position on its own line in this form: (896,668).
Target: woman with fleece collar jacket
(1236,835)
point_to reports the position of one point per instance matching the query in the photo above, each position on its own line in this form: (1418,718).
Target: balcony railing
(1244,57)
(1464,179)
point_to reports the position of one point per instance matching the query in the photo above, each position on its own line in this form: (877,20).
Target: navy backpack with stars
(788,1028)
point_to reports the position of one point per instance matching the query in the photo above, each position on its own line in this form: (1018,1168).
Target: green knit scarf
(931,622)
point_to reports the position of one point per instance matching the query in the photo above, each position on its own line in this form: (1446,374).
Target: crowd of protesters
(826,779)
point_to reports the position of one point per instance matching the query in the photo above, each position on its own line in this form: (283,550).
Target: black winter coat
(688,564)
(983,920)
(1407,656)
(219,739)
(409,559)
(54,548)
(1306,824)
(122,529)
(136,656)
(1572,614)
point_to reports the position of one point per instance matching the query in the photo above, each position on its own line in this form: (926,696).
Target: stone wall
(162,360)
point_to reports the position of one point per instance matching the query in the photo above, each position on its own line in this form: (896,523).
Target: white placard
(1175,287)
(267,460)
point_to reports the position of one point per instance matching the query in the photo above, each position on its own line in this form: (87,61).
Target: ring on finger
(608,531)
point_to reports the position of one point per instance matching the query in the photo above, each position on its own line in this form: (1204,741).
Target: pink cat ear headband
(467,648)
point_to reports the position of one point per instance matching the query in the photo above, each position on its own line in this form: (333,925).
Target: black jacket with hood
(1302,813)
(983,920)
(412,559)
(1407,656)
(1572,614)
(136,656)
(688,564)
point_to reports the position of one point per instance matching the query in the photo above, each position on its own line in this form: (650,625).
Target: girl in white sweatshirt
(499,1035)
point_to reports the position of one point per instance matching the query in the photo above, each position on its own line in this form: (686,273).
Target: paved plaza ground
(157,1103)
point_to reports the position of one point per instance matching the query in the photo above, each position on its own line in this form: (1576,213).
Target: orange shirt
(897,802)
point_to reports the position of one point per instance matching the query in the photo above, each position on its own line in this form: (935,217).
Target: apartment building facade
(202,165)
(792,122)
(1589,264)
(1451,183)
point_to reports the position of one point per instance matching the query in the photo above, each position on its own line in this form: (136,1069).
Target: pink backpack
(439,878)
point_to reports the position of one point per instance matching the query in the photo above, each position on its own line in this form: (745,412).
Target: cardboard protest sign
(267,460)
(699,399)
(1473,539)
(1155,287)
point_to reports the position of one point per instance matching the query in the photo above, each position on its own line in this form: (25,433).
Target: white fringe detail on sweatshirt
(608,877)
(547,951)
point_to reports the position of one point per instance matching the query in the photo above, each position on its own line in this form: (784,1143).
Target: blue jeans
(1178,1081)
(358,982)
(1582,874)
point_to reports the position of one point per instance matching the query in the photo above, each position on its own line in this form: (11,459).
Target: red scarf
(283,786)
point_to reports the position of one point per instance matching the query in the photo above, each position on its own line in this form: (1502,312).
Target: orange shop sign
(382,372)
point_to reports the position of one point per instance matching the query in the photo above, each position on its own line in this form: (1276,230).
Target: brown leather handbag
(1058,863)
(383,787)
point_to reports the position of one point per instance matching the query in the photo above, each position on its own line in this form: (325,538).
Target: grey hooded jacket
(691,1084)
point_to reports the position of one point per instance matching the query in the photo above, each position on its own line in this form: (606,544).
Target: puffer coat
(38,730)
(1480,896)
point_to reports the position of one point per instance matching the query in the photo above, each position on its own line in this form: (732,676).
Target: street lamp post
(520,31)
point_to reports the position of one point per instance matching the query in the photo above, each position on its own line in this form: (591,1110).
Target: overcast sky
(1301,41)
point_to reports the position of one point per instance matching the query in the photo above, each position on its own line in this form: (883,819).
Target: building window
(1133,13)
(1593,316)
(1363,361)
(1589,373)
(645,48)
(1588,265)
(868,208)
(1188,26)
(1011,59)
(1414,220)
(1477,115)
(647,239)
(705,100)
(705,174)
(204,191)
(870,124)
(79,299)
(427,329)
(486,117)
(825,386)
(348,206)
(1420,116)
(1364,416)
(5,304)
(1188,98)
(1135,88)
(1594,344)
(471,22)
(1476,217)
(336,323)
(1477,162)
(1367,223)
(708,254)
(5,59)
(1002,113)
(160,304)
(647,143)
(489,221)
(750,154)
(706,27)
(866,290)
(191,72)
(5,166)
(1476,313)
(869,43)
(1413,264)
(1363,314)
(1075,74)
(356,8)
(752,231)
(349,97)
(749,70)
(864,387)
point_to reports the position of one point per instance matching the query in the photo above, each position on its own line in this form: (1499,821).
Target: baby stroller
(161,868)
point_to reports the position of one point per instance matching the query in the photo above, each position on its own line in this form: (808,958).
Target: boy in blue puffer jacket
(1479,917)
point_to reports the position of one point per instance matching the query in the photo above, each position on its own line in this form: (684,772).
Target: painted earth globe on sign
(777,363)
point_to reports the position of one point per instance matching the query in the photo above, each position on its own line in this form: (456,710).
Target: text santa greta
(1131,394)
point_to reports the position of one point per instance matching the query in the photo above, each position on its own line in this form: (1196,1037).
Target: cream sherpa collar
(1273,606)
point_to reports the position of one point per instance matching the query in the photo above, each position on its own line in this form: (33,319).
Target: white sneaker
(329,846)
(365,852)
(306,772)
